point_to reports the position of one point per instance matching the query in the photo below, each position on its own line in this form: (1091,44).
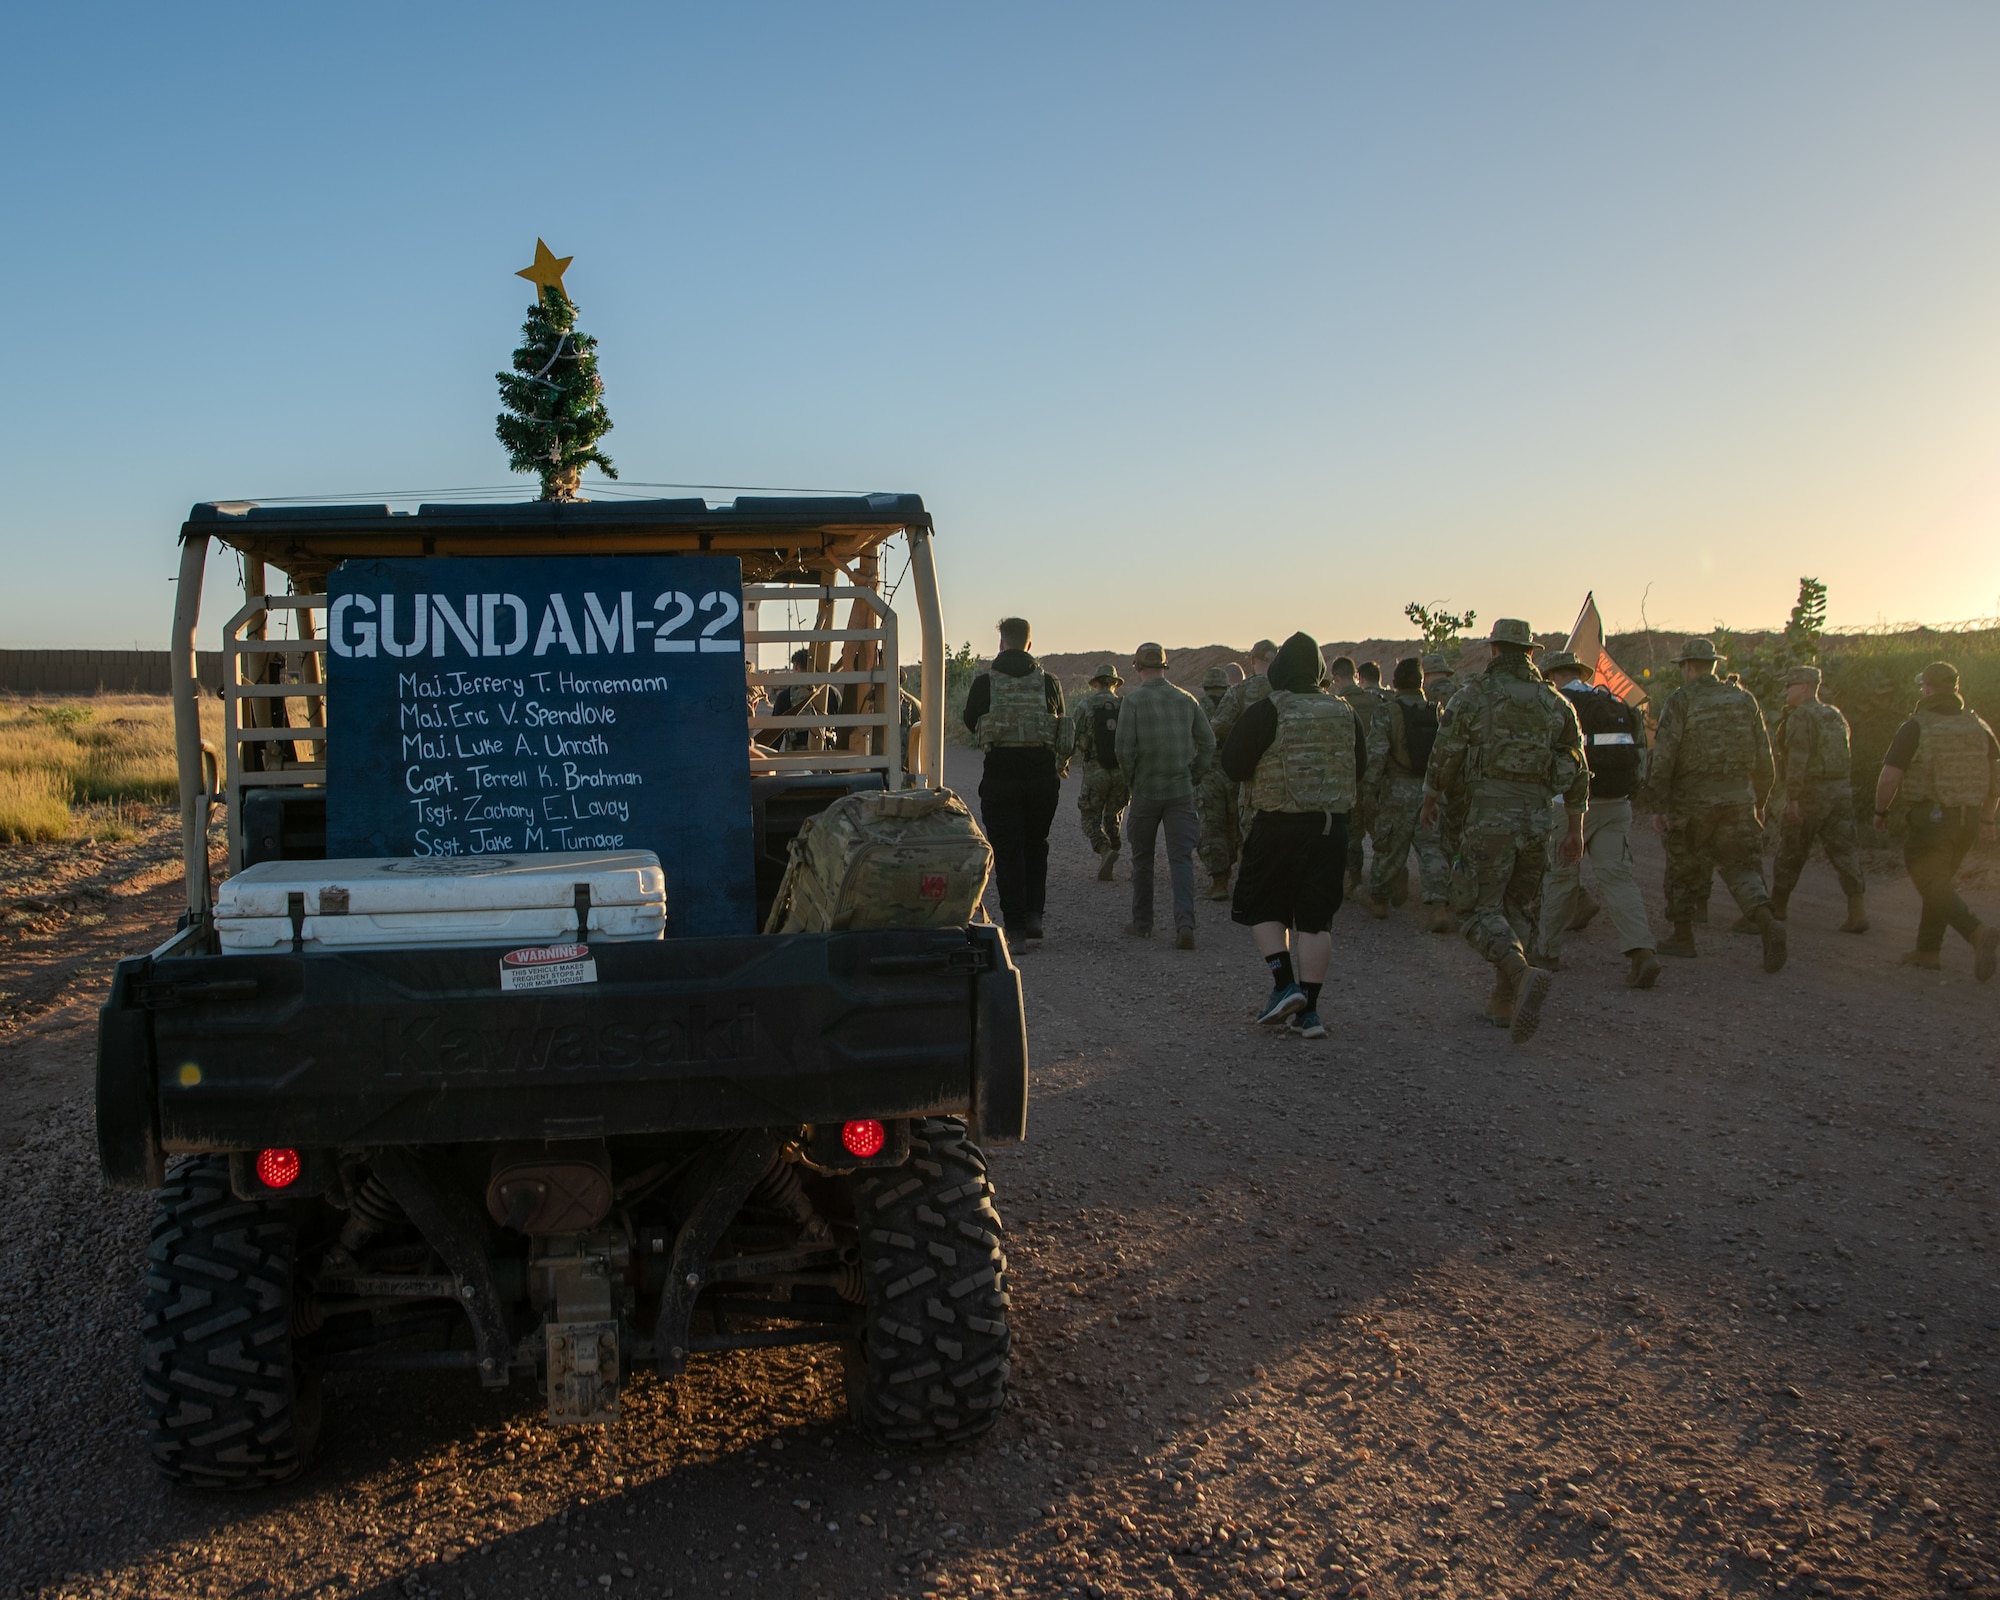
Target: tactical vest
(1950,767)
(1413,730)
(1611,743)
(1831,761)
(1511,743)
(1718,746)
(1310,763)
(1019,717)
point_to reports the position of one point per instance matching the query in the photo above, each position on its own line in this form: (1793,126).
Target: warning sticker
(548,966)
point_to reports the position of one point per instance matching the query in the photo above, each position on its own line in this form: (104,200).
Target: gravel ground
(1699,1295)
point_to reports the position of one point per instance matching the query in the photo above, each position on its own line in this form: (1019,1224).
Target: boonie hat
(1809,676)
(1939,675)
(1435,663)
(1511,630)
(1215,678)
(1149,655)
(1106,672)
(1559,660)
(1699,650)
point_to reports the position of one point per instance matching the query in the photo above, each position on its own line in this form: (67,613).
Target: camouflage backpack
(911,859)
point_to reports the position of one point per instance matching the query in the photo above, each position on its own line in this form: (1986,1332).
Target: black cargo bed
(420,1046)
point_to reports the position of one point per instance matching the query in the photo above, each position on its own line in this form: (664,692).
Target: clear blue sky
(1190,323)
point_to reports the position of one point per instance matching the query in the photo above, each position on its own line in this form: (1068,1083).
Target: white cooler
(528,898)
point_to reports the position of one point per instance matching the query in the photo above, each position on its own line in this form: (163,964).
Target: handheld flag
(1586,643)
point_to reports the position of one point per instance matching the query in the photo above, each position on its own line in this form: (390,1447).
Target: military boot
(1378,909)
(1644,970)
(1106,861)
(1857,914)
(1773,932)
(1218,885)
(1442,920)
(1500,1003)
(1779,900)
(1530,993)
(1985,951)
(1584,913)
(1680,942)
(1744,925)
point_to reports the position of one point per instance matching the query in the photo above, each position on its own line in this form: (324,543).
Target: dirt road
(1699,1295)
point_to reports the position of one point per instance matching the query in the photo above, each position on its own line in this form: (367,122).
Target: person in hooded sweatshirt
(1015,712)
(1299,753)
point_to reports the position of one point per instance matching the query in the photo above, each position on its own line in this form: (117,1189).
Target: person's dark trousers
(1933,849)
(1181,823)
(1017,802)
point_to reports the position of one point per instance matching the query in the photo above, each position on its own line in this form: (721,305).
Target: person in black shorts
(1299,752)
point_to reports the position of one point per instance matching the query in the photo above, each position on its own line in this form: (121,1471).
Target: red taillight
(864,1138)
(277,1169)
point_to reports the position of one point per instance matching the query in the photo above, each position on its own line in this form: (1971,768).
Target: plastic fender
(128,1115)
(999,1046)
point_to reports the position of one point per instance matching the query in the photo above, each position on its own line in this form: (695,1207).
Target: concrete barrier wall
(94,671)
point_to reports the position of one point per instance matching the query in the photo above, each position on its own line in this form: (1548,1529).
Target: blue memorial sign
(512,704)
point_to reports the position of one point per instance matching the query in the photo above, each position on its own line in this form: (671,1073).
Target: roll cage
(802,553)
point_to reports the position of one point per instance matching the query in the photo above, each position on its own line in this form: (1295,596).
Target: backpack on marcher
(1413,731)
(914,858)
(1611,742)
(1104,733)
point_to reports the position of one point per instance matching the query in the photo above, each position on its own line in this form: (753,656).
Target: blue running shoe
(1282,1004)
(1306,1025)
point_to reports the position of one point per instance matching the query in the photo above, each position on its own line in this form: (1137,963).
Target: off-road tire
(931,1365)
(230,1405)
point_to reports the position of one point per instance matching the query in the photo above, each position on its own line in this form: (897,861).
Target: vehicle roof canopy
(777,536)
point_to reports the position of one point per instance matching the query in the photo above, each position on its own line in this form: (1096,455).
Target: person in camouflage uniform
(1437,840)
(1508,746)
(1706,784)
(1399,752)
(1216,799)
(1816,777)
(1942,771)
(1101,801)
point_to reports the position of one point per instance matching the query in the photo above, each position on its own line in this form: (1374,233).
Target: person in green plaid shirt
(1165,746)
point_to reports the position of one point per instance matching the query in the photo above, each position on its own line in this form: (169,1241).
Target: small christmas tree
(555,400)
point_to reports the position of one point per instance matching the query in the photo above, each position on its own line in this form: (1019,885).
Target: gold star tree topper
(547,272)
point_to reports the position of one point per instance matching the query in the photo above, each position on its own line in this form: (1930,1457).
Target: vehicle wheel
(230,1404)
(931,1365)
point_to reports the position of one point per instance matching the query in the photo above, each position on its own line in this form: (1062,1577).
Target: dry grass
(33,806)
(75,764)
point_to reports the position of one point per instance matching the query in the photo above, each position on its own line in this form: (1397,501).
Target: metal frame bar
(245,716)
(930,618)
(195,800)
(882,752)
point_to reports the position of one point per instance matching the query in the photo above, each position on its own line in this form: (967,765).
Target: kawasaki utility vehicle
(381,1156)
